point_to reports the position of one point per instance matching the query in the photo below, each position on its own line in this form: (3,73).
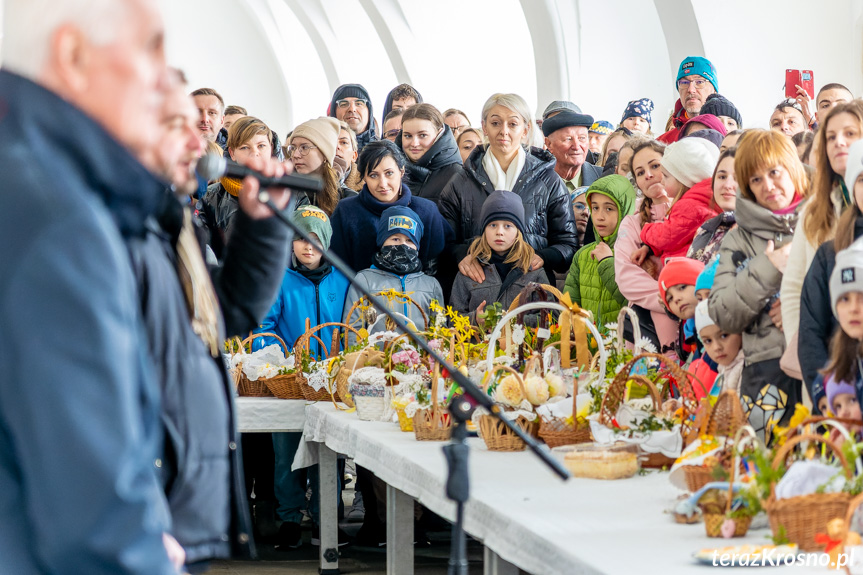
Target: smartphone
(804,78)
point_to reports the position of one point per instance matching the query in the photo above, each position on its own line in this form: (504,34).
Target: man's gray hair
(28,26)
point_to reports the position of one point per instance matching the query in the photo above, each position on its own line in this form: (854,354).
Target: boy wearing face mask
(397,266)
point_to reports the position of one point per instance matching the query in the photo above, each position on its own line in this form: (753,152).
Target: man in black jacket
(188,310)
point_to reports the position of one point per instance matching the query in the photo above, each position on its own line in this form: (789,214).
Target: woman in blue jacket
(313,290)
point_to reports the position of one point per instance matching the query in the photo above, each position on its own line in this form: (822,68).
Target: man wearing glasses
(696,79)
(351,104)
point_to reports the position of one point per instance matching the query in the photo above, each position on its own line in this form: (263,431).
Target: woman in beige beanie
(312,147)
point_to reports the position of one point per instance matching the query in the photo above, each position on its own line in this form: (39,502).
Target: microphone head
(211,167)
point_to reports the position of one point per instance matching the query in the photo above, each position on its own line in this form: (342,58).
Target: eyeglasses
(699,84)
(303,150)
(392,134)
(358,102)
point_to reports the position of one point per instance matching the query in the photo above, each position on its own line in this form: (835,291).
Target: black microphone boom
(212,167)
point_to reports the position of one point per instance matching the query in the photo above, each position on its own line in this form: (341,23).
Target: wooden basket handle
(789,445)
(255,336)
(547,287)
(731,398)
(509,370)
(304,340)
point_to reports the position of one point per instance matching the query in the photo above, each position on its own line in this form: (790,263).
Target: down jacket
(468,294)
(817,322)
(590,283)
(355,224)
(428,176)
(672,237)
(747,283)
(548,217)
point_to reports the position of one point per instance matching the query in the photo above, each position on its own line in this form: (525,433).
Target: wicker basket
(362,321)
(373,407)
(497,435)
(804,516)
(555,432)
(353,361)
(713,521)
(303,344)
(574,325)
(433,424)
(616,391)
(722,420)
(281,386)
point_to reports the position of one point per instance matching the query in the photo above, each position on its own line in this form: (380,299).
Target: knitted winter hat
(690,160)
(559,106)
(565,119)
(601,127)
(400,220)
(719,105)
(678,271)
(834,388)
(709,120)
(323,132)
(350,91)
(711,136)
(705,278)
(314,220)
(702,318)
(854,167)
(638,108)
(697,65)
(849,264)
(503,205)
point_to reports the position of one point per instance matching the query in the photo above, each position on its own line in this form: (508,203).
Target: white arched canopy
(282,59)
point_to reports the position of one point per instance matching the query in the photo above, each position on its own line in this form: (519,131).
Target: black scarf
(400,260)
(317,275)
(502,268)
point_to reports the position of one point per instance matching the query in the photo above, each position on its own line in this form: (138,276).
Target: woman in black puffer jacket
(506,164)
(431,151)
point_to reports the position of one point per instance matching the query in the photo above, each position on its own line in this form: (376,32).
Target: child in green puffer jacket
(590,282)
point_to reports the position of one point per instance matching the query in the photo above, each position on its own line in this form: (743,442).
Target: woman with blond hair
(752,258)
(507,163)
(827,200)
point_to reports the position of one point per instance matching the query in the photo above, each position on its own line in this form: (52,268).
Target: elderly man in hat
(567,138)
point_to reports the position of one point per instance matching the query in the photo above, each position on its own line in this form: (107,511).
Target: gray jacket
(468,294)
(422,288)
(747,283)
(79,405)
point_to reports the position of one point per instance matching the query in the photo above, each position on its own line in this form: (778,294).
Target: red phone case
(794,78)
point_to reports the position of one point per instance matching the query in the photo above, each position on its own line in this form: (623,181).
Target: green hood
(621,192)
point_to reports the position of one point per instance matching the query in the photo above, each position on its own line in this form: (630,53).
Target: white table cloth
(524,513)
(270,414)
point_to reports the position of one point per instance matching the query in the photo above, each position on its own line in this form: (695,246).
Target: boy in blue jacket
(311,289)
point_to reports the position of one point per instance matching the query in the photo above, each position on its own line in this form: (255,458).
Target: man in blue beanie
(696,80)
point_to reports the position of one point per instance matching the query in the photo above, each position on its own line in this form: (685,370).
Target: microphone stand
(461,409)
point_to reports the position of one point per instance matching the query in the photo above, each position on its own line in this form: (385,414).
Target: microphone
(213,167)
